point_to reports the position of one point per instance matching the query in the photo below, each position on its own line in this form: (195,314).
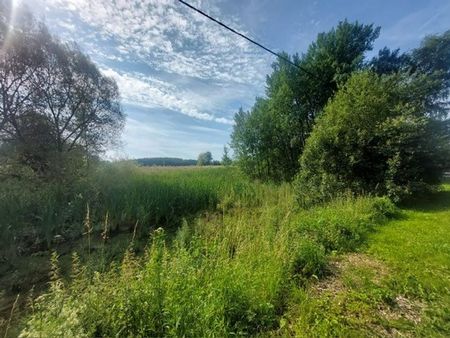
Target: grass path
(398,285)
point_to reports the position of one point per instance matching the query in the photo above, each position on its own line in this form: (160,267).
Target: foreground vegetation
(397,285)
(99,213)
(256,264)
(228,272)
(207,251)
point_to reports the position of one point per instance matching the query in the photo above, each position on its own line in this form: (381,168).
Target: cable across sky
(245,37)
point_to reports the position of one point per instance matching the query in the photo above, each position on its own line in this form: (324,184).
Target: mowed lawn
(417,249)
(397,285)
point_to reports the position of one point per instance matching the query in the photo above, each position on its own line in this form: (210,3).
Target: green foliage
(54,103)
(333,57)
(388,62)
(431,60)
(33,211)
(268,140)
(309,259)
(224,274)
(204,159)
(226,160)
(346,229)
(400,283)
(373,139)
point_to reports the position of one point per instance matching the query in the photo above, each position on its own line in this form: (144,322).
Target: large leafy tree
(204,158)
(54,101)
(269,139)
(372,138)
(388,62)
(431,65)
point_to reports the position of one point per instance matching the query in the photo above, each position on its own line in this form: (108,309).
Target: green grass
(417,248)
(154,197)
(244,260)
(229,272)
(399,284)
(32,213)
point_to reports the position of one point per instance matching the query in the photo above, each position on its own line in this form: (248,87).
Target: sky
(182,77)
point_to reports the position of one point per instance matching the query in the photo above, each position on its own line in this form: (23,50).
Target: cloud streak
(163,55)
(171,38)
(153,93)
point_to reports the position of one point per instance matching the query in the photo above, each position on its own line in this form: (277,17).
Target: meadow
(235,258)
(216,255)
(105,207)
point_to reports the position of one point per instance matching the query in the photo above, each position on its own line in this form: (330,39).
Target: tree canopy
(53,99)
(226,159)
(204,158)
(269,139)
(378,126)
(373,139)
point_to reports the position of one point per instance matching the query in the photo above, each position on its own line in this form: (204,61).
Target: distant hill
(165,161)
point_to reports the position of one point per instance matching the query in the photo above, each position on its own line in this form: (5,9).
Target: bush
(384,208)
(343,224)
(371,138)
(309,259)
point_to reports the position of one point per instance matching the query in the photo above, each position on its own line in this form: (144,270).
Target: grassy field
(230,270)
(239,258)
(397,285)
(97,217)
(32,210)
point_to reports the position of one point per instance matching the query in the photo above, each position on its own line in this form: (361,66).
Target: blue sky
(182,77)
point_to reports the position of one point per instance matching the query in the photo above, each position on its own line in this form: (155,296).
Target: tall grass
(33,212)
(227,273)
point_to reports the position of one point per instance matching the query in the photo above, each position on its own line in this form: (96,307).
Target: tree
(431,64)
(372,138)
(53,100)
(268,140)
(332,58)
(226,160)
(388,62)
(204,158)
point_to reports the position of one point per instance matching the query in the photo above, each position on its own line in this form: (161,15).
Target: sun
(13,6)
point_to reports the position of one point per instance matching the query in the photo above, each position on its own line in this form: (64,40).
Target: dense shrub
(309,259)
(372,138)
(343,224)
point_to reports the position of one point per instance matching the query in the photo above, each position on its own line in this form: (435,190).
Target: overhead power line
(245,37)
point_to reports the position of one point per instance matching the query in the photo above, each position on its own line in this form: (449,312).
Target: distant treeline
(168,162)
(165,161)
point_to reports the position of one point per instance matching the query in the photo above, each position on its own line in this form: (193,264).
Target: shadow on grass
(437,201)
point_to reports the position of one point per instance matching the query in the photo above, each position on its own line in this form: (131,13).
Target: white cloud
(174,50)
(171,38)
(149,92)
(66,25)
